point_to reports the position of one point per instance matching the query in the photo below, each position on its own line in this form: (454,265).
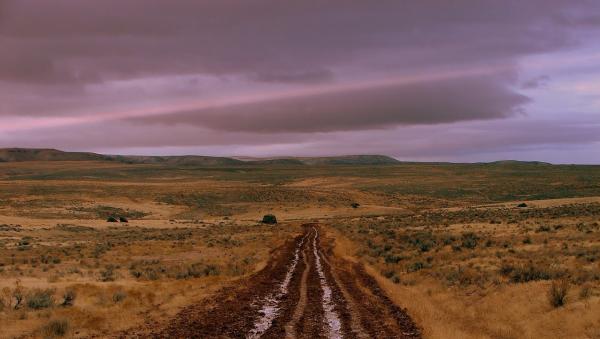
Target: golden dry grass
(465,294)
(193,230)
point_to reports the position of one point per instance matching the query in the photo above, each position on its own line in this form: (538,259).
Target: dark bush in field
(56,328)
(269,219)
(557,295)
(522,205)
(69,298)
(469,240)
(108,274)
(119,296)
(525,273)
(111,219)
(123,219)
(543,229)
(355,205)
(40,299)
(416,266)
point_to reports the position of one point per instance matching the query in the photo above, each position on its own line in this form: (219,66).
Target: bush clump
(269,219)
(526,273)
(469,240)
(108,274)
(119,296)
(522,205)
(543,228)
(56,328)
(123,219)
(111,219)
(557,295)
(39,299)
(416,266)
(69,298)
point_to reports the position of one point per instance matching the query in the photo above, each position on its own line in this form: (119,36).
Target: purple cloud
(441,101)
(310,68)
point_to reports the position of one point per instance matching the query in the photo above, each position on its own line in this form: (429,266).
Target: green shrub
(424,241)
(392,259)
(543,229)
(416,266)
(119,296)
(108,274)
(69,298)
(585,292)
(24,244)
(526,273)
(388,273)
(269,219)
(111,219)
(56,328)
(557,295)
(469,240)
(39,299)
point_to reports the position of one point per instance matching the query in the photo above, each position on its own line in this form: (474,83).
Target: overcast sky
(461,80)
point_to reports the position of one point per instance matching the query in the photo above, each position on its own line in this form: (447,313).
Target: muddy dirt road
(304,292)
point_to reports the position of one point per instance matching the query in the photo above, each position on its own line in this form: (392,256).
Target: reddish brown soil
(360,304)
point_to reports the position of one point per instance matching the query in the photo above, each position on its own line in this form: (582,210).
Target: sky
(427,80)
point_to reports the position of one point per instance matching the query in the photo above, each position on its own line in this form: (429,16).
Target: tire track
(303,292)
(271,304)
(355,319)
(290,327)
(333,322)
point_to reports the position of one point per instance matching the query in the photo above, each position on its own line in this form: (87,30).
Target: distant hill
(193,160)
(46,154)
(518,162)
(351,160)
(33,154)
(42,154)
(284,161)
(333,160)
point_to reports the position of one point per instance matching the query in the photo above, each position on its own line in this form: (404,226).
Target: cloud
(82,42)
(429,102)
(295,76)
(82,67)
(537,82)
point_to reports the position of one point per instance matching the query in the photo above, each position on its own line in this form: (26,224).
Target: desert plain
(484,250)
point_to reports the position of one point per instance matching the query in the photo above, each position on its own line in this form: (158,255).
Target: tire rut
(291,326)
(303,292)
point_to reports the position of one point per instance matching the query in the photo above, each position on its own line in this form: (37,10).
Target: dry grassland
(446,241)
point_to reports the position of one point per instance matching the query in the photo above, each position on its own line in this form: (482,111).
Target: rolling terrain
(432,250)
(28,154)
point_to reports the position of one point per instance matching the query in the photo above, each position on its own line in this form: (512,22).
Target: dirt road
(304,292)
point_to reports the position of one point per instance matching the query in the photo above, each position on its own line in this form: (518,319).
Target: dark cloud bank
(66,41)
(362,108)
